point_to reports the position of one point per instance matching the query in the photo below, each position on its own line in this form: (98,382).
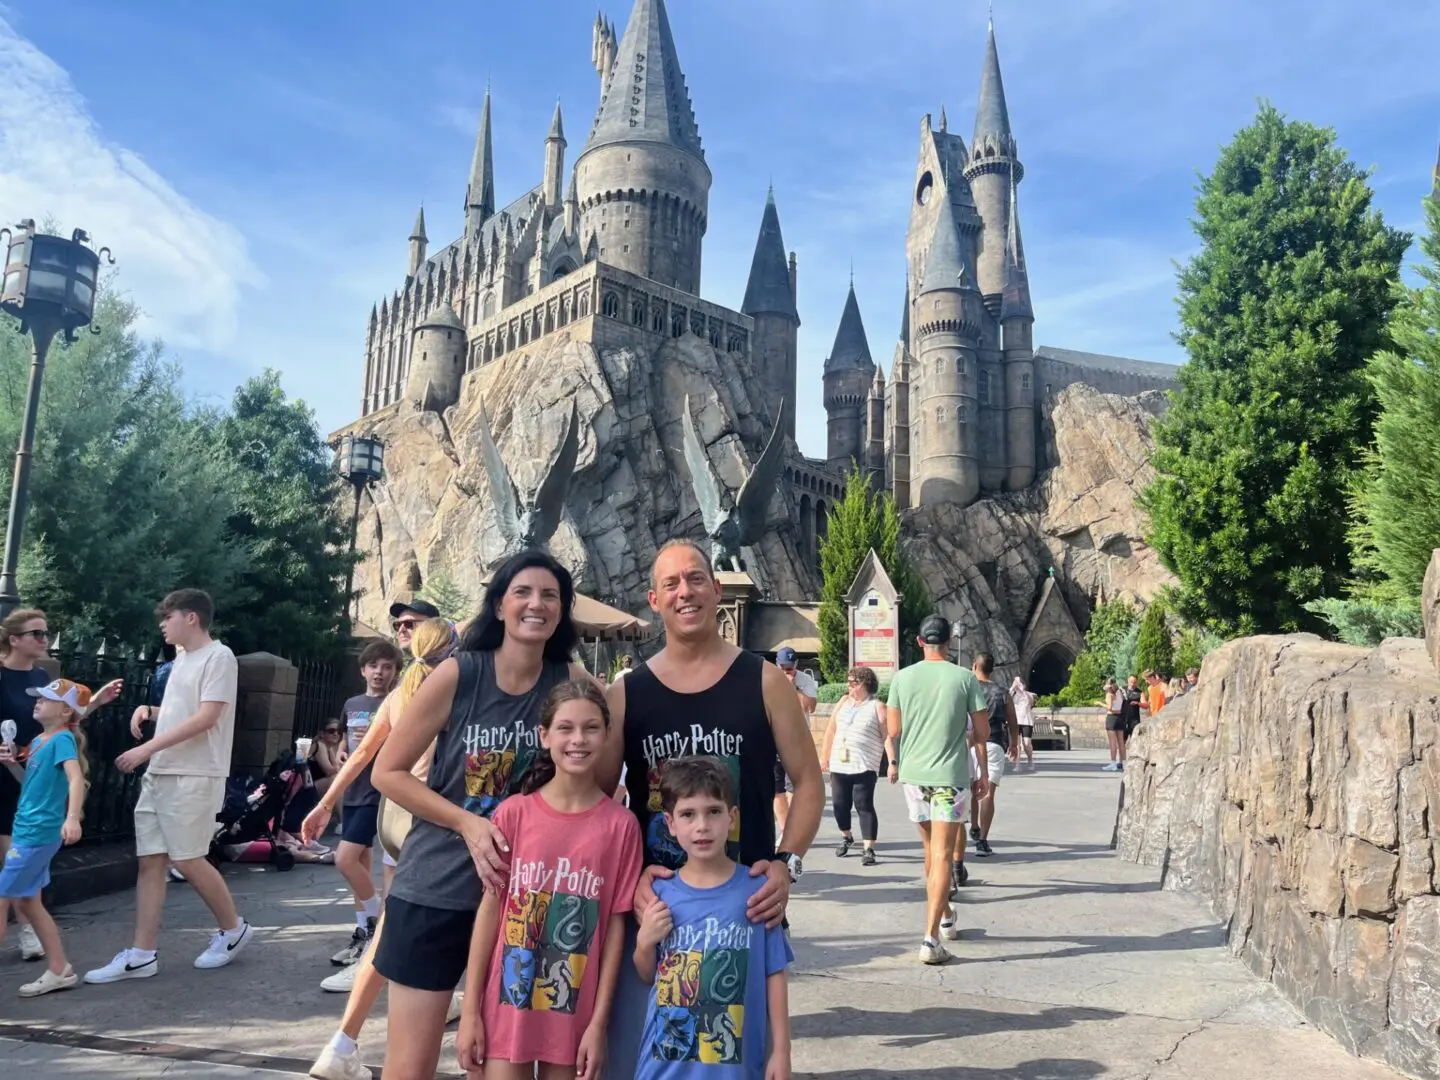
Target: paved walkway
(1073,965)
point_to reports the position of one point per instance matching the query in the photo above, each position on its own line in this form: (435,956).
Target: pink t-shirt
(569,873)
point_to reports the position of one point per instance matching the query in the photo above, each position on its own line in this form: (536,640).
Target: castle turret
(948,311)
(602,47)
(897,415)
(418,242)
(849,371)
(644,184)
(994,164)
(480,191)
(437,360)
(875,433)
(1017,328)
(554,164)
(770,301)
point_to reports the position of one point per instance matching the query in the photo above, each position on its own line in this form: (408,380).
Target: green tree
(860,521)
(1108,626)
(1122,658)
(454,603)
(130,497)
(1154,648)
(1192,648)
(1279,311)
(1397,513)
(1087,680)
(289,513)
(1359,621)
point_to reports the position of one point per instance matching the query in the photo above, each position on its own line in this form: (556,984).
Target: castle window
(584,305)
(489,308)
(637,312)
(677,322)
(939,414)
(736,343)
(961,414)
(959,365)
(984,393)
(715,335)
(1025,382)
(610,306)
(657,319)
(939,365)
(697,323)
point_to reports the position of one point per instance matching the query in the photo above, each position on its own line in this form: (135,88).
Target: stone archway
(1049,669)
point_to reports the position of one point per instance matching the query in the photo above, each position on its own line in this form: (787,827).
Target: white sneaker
(30,947)
(933,953)
(343,981)
(457,1006)
(124,966)
(49,982)
(333,1065)
(948,930)
(224,947)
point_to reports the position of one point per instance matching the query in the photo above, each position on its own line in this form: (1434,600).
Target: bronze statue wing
(753,502)
(502,489)
(550,496)
(702,477)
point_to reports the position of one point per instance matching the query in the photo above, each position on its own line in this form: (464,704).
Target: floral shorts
(943,804)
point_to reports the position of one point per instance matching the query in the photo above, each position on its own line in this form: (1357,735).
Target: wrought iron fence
(320,693)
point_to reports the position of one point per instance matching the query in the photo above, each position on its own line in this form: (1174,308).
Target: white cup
(302,748)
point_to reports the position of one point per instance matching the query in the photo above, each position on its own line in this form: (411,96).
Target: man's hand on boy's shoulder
(767,903)
(655,925)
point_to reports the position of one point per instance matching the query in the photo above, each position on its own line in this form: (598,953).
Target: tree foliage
(1109,624)
(1154,647)
(1087,680)
(860,521)
(1279,311)
(1192,648)
(1369,622)
(455,604)
(1123,662)
(1396,500)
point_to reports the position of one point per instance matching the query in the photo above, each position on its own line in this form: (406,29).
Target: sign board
(874,620)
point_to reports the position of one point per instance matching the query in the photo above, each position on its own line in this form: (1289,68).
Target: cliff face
(631,490)
(986,563)
(1297,791)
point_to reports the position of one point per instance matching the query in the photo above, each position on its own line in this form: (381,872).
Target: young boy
(379,663)
(720,996)
(189,759)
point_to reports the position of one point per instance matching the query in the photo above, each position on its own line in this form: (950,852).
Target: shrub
(1154,650)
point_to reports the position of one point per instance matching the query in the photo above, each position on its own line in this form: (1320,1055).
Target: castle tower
(1017,328)
(644,185)
(993,166)
(437,360)
(897,416)
(770,301)
(554,164)
(418,242)
(948,312)
(480,191)
(875,433)
(849,372)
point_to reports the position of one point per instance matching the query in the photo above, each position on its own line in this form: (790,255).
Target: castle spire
(645,98)
(851,348)
(418,233)
(944,265)
(557,128)
(554,162)
(768,290)
(905,318)
(418,243)
(992,117)
(1015,300)
(480,192)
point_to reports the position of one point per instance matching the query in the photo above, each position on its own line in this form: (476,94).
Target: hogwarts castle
(610,254)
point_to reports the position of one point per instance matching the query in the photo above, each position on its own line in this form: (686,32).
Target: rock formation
(986,564)
(1430,606)
(631,491)
(1297,791)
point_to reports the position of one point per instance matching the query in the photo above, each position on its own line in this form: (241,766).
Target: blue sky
(257,167)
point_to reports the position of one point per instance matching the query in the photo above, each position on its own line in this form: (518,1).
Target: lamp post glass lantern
(49,284)
(360,459)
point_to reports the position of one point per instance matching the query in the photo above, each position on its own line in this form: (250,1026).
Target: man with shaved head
(701,695)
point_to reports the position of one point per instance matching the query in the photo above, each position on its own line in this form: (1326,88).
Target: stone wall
(1297,791)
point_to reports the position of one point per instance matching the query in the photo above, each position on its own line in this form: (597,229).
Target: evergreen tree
(450,600)
(1122,657)
(1279,312)
(1087,680)
(1192,648)
(1397,510)
(1154,648)
(860,521)
(1108,626)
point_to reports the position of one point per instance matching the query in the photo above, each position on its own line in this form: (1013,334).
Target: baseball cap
(935,630)
(786,657)
(63,690)
(419,607)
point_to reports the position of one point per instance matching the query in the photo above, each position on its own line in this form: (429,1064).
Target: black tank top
(727,721)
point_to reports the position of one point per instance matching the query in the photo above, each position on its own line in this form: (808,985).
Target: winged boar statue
(530,524)
(743,524)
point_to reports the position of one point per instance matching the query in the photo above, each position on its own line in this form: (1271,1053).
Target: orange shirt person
(1156,693)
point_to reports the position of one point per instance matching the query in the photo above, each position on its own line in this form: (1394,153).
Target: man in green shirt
(929,705)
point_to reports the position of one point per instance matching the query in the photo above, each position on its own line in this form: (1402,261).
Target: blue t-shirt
(708,1018)
(45,794)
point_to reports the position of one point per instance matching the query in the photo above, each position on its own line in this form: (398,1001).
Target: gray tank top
(480,759)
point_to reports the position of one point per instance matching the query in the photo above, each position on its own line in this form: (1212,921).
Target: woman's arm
(365,753)
(829,741)
(422,721)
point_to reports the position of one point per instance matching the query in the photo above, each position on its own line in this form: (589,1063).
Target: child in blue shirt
(720,1005)
(52,797)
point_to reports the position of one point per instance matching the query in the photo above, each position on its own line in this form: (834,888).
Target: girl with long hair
(574,861)
(481,709)
(434,641)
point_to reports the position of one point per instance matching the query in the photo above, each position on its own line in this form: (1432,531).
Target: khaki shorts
(175,815)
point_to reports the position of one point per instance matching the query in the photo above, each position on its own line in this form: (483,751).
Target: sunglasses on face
(406,624)
(331,731)
(38,635)
(852,682)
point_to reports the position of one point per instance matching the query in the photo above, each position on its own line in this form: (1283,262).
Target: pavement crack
(1160,1063)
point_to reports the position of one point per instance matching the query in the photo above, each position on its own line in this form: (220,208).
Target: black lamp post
(49,285)
(360,459)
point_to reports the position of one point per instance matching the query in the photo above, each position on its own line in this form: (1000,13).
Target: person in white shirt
(808,691)
(189,761)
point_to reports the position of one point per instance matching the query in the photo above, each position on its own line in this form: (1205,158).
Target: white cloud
(186,267)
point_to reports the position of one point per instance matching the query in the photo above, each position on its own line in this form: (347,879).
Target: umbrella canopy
(601,622)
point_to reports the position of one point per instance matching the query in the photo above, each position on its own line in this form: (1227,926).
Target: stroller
(253,811)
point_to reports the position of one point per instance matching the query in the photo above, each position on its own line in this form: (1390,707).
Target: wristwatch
(792,863)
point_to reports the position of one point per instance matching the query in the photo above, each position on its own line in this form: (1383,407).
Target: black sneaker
(843,849)
(982,847)
(958,875)
(358,940)
(868,857)
(975,833)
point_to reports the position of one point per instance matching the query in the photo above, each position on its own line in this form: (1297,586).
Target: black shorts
(782,782)
(424,948)
(358,824)
(1027,731)
(1114,722)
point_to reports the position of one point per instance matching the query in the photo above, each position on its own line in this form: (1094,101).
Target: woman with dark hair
(481,708)
(856,743)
